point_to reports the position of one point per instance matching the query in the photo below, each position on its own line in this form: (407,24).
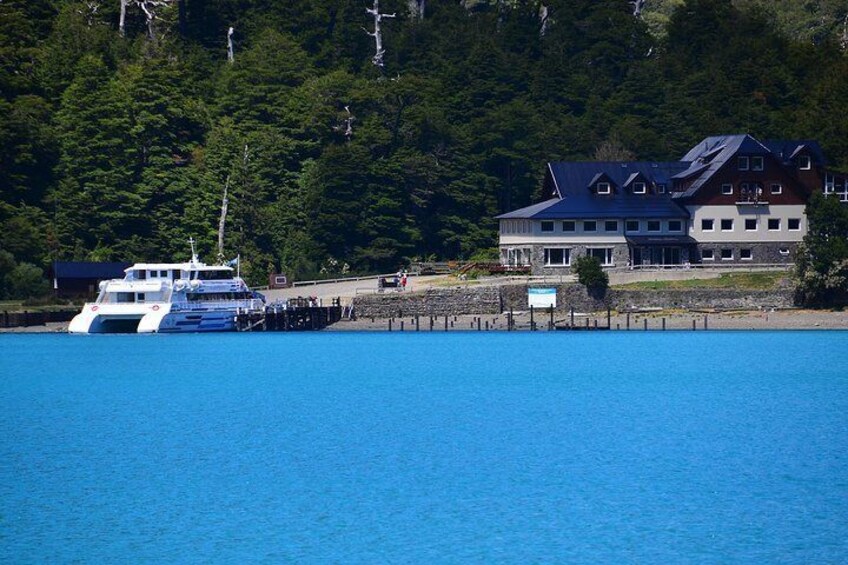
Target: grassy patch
(741,281)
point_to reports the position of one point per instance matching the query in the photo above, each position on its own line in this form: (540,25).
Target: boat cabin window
(125,297)
(141,274)
(215,275)
(177,274)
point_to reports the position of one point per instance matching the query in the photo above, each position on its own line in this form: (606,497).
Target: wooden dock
(288,318)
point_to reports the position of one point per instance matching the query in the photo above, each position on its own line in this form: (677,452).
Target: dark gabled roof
(786,150)
(573,181)
(711,154)
(573,177)
(529,211)
(578,201)
(88,270)
(598,177)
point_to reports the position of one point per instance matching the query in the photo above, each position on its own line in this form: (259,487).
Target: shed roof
(88,270)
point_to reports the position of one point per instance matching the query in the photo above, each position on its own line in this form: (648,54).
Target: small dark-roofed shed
(80,278)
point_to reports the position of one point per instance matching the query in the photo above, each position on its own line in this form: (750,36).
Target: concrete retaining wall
(496,299)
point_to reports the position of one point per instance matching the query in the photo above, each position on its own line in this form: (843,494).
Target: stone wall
(496,299)
(432,302)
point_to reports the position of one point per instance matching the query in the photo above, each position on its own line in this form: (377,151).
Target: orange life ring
(155,307)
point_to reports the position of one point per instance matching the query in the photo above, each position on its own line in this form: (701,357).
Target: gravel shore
(674,320)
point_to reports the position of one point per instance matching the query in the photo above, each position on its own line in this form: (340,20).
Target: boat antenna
(193,252)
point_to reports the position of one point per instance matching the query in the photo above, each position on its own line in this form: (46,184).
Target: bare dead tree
(544,20)
(637,7)
(150,9)
(91,8)
(230,54)
(348,124)
(843,39)
(416,9)
(223,221)
(377,59)
(123,17)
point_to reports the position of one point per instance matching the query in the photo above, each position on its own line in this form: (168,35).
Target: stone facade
(620,257)
(761,253)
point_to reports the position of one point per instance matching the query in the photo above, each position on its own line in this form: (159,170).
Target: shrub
(591,275)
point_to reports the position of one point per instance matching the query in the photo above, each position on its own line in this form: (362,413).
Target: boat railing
(249,304)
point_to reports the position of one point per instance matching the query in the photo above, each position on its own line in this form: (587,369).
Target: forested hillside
(117,142)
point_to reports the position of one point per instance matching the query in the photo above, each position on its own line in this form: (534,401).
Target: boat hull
(150,319)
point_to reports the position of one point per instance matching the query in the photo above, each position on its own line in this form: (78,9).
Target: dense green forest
(117,144)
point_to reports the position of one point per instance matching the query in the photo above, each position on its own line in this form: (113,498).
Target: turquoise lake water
(415,448)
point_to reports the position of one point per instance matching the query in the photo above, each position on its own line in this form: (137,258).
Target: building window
(547,226)
(675,225)
(707,255)
(727,188)
(727,225)
(639,188)
(745,254)
(603,188)
(653,225)
(590,225)
(743,163)
(794,224)
(604,255)
(611,225)
(726,254)
(777,188)
(804,163)
(557,257)
(783,251)
(707,225)
(632,225)
(774,224)
(569,225)
(756,163)
(829,184)
(661,188)
(750,224)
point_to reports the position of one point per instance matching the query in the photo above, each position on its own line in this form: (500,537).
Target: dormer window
(661,188)
(804,162)
(639,188)
(757,163)
(603,188)
(744,165)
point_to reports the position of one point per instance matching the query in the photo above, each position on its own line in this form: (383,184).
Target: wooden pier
(288,318)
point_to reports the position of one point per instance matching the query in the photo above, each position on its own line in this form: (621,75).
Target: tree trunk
(544,20)
(377,34)
(637,7)
(230,54)
(123,18)
(416,9)
(223,221)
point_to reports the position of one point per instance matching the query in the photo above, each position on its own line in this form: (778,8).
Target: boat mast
(193,252)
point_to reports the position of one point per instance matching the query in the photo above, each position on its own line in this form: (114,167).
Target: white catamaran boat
(168,297)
